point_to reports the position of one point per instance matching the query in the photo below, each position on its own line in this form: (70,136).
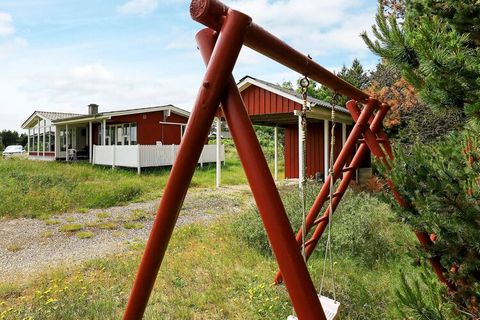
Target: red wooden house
(142,137)
(272,105)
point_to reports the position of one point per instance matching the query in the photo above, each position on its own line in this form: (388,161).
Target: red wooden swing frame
(220,43)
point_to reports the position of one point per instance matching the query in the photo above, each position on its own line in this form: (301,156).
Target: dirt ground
(29,246)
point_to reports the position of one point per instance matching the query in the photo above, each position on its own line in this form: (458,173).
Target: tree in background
(409,118)
(355,75)
(9,137)
(437,60)
(438,85)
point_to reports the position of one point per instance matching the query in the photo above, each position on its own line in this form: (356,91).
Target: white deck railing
(141,156)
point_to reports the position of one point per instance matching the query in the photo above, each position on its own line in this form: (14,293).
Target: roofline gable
(109,114)
(247,81)
(29,119)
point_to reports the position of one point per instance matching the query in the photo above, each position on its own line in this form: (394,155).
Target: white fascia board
(30,119)
(324,114)
(148,110)
(80,120)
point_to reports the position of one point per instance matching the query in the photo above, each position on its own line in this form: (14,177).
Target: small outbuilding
(272,105)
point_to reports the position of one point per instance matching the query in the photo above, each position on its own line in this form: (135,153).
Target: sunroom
(43,136)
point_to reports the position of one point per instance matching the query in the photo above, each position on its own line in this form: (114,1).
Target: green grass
(213,272)
(133,225)
(38,189)
(107,225)
(72,227)
(85,234)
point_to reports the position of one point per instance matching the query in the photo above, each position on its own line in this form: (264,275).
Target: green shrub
(363,226)
(85,234)
(249,225)
(133,225)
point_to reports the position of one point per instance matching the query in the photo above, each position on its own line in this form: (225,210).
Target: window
(121,134)
(133,133)
(52,141)
(63,140)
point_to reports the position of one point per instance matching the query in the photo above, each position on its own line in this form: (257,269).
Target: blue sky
(61,55)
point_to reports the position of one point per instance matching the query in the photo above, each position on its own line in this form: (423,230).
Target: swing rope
(304,83)
(328,248)
(329,306)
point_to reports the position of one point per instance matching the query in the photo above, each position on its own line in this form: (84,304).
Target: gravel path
(29,246)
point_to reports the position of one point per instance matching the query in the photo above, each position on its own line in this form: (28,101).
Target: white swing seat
(330,307)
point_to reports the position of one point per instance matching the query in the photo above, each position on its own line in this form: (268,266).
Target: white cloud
(73,89)
(91,72)
(11,46)
(316,27)
(138,7)
(6,24)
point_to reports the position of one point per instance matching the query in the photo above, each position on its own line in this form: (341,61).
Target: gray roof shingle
(57,115)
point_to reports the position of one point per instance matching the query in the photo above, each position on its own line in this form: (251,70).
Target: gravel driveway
(30,246)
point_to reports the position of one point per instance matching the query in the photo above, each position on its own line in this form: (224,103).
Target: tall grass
(216,272)
(206,274)
(369,248)
(37,189)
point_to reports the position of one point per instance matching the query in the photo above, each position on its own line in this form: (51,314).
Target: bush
(363,227)
(249,225)
(441,184)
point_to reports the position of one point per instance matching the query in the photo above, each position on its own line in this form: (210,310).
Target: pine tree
(434,47)
(441,181)
(432,55)
(463,15)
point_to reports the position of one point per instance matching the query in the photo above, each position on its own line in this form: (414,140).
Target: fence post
(139,164)
(218,175)
(275,158)
(93,154)
(114,156)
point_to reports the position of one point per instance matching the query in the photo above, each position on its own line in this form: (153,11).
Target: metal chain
(304,83)
(328,248)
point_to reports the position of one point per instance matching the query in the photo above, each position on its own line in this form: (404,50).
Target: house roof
(246,81)
(108,114)
(46,115)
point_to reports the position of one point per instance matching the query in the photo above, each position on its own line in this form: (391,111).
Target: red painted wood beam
(199,124)
(370,138)
(277,226)
(375,126)
(211,13)
(340,162)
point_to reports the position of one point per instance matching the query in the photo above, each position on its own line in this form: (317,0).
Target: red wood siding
(260,101)
(291,152)
(149,128)
(95,128)
(314,150)
(47,153)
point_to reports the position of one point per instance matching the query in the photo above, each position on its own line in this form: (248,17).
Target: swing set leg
(223,55)
(297,279)
(205,107)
